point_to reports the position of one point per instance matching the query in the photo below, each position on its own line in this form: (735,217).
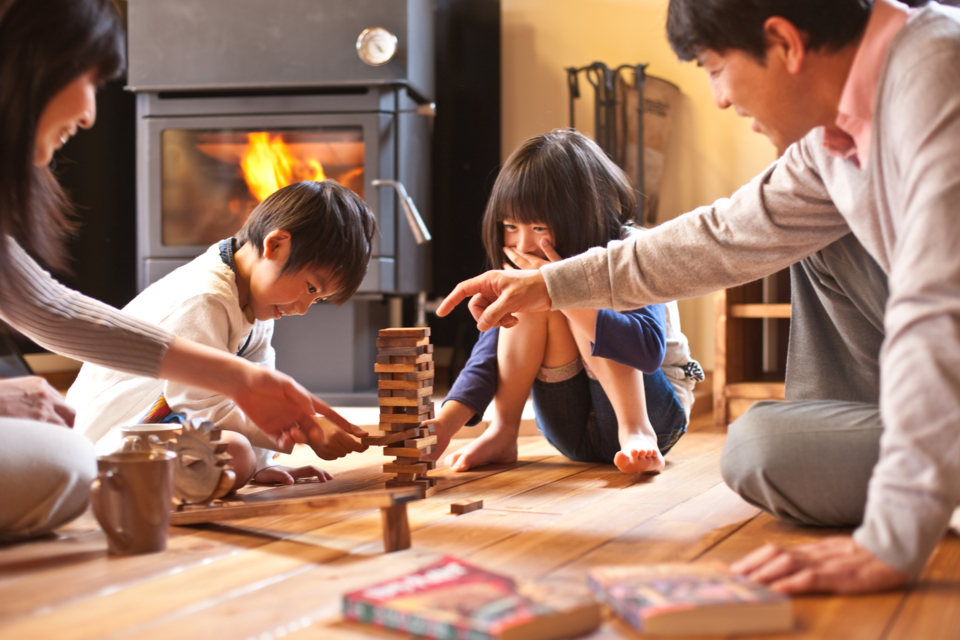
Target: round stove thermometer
(376,46)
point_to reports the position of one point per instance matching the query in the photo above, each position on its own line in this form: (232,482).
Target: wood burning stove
(236,98)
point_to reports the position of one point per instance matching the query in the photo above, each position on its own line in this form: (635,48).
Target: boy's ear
(276,245)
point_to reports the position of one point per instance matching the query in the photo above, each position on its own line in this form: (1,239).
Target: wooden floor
(543,517)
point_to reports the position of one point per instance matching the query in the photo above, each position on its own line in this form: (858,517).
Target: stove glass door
(213,178)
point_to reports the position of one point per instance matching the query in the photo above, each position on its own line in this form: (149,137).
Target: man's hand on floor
(833,565)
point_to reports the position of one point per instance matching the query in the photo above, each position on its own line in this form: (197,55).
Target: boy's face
(274,295)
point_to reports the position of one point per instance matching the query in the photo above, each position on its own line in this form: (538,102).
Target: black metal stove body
(214,78)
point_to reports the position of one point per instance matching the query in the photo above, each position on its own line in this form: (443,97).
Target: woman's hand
(532,261)
(33,398)
(274,401)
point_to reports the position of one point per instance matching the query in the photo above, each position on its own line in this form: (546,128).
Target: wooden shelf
(751,343)
(777,310)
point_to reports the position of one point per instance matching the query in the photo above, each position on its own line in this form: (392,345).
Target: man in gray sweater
(867,96)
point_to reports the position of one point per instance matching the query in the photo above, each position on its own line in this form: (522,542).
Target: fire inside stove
(213,179)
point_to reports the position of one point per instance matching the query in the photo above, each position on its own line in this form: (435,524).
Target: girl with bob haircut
(607,386)
(53,55)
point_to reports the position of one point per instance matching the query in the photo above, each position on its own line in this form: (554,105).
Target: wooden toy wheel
(203,469)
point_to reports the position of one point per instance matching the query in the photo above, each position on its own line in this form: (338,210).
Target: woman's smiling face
(73,107)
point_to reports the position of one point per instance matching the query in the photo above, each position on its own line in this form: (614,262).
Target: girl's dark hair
(564,180)
(695,25)
(44,46)
(330,228)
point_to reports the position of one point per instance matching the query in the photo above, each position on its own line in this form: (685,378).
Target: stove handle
(420,232)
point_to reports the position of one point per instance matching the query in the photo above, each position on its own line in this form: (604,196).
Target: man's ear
(786,42)
(276,245)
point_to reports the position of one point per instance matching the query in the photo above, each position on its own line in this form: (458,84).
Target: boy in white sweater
(306,243)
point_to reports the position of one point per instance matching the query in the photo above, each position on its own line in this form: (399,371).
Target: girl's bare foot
(639,453)
(495,445)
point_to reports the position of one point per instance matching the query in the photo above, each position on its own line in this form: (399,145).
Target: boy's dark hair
(564,180)
(44,46)
(330,228)
(720,25)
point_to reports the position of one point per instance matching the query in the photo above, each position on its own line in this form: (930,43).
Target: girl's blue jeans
(576,416)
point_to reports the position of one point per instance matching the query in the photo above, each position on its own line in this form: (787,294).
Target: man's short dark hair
(720,25)
(330,229)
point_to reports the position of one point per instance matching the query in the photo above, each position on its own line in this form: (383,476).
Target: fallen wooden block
(465,506)
(392,505)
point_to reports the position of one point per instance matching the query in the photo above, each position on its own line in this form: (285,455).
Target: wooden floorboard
(544,517)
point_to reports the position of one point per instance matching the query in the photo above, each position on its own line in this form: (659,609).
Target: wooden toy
(203,470)
(405,371)
(465,506)
(392,505)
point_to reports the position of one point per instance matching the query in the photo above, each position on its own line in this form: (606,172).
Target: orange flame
(268,165)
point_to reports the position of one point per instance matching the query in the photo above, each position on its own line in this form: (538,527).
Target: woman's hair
(44,46)
(565,181)
(330,227)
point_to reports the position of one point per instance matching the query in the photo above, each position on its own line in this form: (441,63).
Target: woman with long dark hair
(53,55)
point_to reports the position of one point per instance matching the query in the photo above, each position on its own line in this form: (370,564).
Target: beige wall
(712,152)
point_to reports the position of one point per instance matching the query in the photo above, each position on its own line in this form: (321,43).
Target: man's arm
(916,484)
(780,217)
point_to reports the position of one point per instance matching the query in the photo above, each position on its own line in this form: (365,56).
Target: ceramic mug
(132,498)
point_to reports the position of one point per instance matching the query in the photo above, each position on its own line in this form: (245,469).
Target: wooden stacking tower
(405,386)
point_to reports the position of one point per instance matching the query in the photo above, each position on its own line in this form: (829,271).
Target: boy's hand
(330,442)
(281,474)
(33,398)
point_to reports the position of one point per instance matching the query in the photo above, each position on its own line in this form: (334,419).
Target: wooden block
(427,430)
(421,443)
(405,452)
(417,375)
(408,461)
(395,427)
(422,392)
(422,482)
(405,332)
(395,368)
(417,410)
(425,365)
(393,467)
(432,480)
(391,343)
(401,402)
(392,410)
(406,477)
(396,418)
(383,439)
(465,506)
(396,526)
(421,359)
(426,349)
(394,385)
(431,464)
